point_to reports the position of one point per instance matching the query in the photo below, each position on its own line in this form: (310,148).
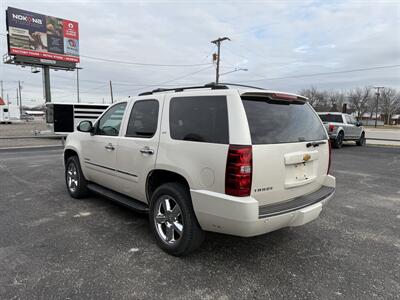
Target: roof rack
(211,85)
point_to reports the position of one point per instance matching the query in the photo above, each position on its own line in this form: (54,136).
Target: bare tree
(316,98)
(360,98)
(389,103)
(335,100)
(371,106)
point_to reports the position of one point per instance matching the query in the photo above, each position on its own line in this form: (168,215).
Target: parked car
(25,116)
(211,158)
(343,127)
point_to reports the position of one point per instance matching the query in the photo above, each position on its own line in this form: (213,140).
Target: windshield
(331,118)
(273,122)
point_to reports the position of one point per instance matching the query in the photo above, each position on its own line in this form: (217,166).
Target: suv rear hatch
(290,147)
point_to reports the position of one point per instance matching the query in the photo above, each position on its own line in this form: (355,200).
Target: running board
(117,197)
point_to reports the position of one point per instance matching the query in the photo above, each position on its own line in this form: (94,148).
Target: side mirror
(85,126)
(358,123)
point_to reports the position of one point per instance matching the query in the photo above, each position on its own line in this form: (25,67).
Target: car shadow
(216,247)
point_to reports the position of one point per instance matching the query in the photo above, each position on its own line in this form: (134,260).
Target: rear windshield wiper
(315,144)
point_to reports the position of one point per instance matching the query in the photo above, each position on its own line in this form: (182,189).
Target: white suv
(240,161)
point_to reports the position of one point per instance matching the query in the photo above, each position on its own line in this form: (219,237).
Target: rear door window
(273,122)
(199,119)
(143,119)
(331,118)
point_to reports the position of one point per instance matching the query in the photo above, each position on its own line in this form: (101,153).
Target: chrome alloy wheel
(168,220)
(72,177)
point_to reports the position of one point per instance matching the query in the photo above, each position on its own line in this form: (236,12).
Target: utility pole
(8,105)
(377,102)
(17,98)
(20,98)
(111,92)
(218,43)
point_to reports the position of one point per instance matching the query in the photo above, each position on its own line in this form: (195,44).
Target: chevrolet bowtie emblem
(306,157)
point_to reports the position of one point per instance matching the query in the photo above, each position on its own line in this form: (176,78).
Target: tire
(174,225)
(338,142)
(361,140)
(74,179)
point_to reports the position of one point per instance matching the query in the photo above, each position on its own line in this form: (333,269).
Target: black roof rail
(211,85)
(243,85)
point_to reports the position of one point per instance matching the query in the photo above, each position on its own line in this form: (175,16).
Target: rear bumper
(333,136)
(242,216)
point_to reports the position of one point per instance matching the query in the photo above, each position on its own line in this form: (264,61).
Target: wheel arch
(68,153)
(157,177)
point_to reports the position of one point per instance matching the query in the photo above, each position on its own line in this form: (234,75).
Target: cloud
(271,39)
(302,49)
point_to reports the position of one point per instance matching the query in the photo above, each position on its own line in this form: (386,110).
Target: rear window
(199,119)
(273,122)
(331,118)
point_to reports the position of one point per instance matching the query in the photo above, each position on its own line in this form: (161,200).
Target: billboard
(42,37)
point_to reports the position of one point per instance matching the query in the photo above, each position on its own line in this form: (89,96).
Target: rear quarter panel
(202,164)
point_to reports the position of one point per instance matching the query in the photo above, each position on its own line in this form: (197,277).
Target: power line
(93,88)
(143,64)
(325,73)
(138,63)
(209,54)
(168,81)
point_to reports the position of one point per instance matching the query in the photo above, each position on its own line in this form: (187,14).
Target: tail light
(239,171)
(330,157)
(331,127)
(281,96)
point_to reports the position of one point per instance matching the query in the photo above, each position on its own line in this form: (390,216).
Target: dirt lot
(22,128)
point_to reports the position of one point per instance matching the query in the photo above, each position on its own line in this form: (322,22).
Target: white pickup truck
(343,127)
(209,158)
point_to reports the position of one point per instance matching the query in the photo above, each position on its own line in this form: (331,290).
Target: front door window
(110,123)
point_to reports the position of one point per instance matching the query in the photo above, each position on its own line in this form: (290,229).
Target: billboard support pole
(77,84)
(46,84)
(20,98)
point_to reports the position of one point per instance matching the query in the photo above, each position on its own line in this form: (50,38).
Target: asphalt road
(55,247)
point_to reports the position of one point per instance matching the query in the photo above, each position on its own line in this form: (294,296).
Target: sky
(279,43)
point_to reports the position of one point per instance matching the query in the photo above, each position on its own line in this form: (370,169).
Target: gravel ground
(55,247)
(25,129)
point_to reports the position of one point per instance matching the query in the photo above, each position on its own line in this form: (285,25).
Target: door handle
(146,150)
(109,147)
